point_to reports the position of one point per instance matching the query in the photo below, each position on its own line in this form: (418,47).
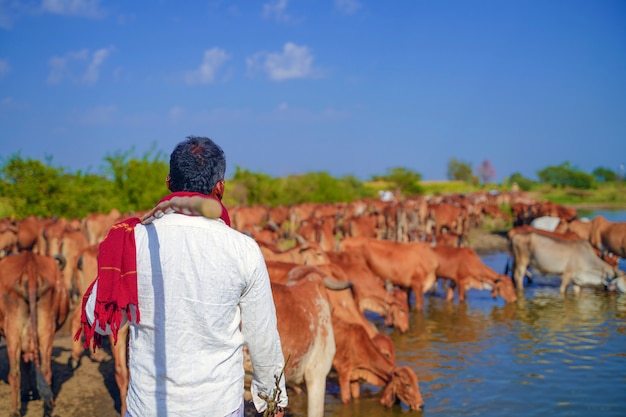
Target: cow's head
(397,316)
(504,287)
(617,283)
(403,387)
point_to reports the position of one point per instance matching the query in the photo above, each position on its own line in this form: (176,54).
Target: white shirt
(197,281)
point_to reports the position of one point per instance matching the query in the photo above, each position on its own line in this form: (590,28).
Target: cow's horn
(335,284)
(301,241)
(61,261)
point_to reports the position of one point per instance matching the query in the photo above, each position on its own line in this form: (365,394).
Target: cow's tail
(45,392)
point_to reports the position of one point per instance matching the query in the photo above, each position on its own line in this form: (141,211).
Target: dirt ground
(90,390)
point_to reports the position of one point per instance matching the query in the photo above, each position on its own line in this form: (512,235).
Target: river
(545,355)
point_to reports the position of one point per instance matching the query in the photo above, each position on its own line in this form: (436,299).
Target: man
(199,291)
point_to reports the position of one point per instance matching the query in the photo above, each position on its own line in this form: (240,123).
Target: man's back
(185,355)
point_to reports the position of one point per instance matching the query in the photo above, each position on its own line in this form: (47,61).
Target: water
(546,355)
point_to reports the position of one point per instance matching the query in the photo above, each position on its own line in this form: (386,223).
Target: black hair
(197,164)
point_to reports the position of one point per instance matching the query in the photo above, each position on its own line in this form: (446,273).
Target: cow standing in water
(575,261)
(34,303)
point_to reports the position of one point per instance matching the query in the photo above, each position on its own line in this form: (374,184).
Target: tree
(460,171)
(602,174)
(402,179)
(566,175)
(524,184)
(486,171)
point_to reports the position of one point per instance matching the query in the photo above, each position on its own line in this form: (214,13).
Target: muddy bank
(483,241)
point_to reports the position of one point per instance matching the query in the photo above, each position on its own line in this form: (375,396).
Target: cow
(342,302)
(8,237)
(582,227)
(608,257)
(305,253)
(357,359)
(410,265)
(29,233)
(464,268)
(305,327)
(370,292)
(97,225)
(320,230)
(447,216)
(34,304)
(608,236)
(575,261)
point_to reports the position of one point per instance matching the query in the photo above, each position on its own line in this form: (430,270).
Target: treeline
(133,183)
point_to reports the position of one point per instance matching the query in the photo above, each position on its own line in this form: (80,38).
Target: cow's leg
(12,335)
(345,388)
(316,390)
(518,274)
(355,389)
(462,289)
(77,345)
(566,278)
(46,323)
(450,291)
(120,358)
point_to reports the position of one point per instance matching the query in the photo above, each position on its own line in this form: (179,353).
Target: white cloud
(212,62)
(347,6)
(80,8)
(5,68)
(276,10)
(93,70)
(294,62)
(69,65)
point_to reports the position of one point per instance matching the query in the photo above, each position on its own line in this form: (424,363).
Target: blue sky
(350,87)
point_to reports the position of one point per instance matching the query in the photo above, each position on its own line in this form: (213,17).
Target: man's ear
(167,182)
(218,190)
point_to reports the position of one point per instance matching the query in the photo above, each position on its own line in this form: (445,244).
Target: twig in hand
(272,403)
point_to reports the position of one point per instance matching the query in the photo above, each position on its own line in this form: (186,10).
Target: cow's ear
(61,261)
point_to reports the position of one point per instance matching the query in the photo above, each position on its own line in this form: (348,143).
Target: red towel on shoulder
(117,277)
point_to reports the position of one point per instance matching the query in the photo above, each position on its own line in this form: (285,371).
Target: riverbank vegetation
(132,183)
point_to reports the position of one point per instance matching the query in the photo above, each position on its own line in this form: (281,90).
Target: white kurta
(198,280)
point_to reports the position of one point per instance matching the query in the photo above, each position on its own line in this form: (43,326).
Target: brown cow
(8,237)
(608,236)
(342,303)
(34,303)
(447,216)
(306,332)
(305,253)
(29,235)
(464,268)
(410,265)
(357,359)
(370,291)
(578,226)
(320,230)
(97,225)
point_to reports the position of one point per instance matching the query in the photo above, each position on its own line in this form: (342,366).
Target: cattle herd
(329,264)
